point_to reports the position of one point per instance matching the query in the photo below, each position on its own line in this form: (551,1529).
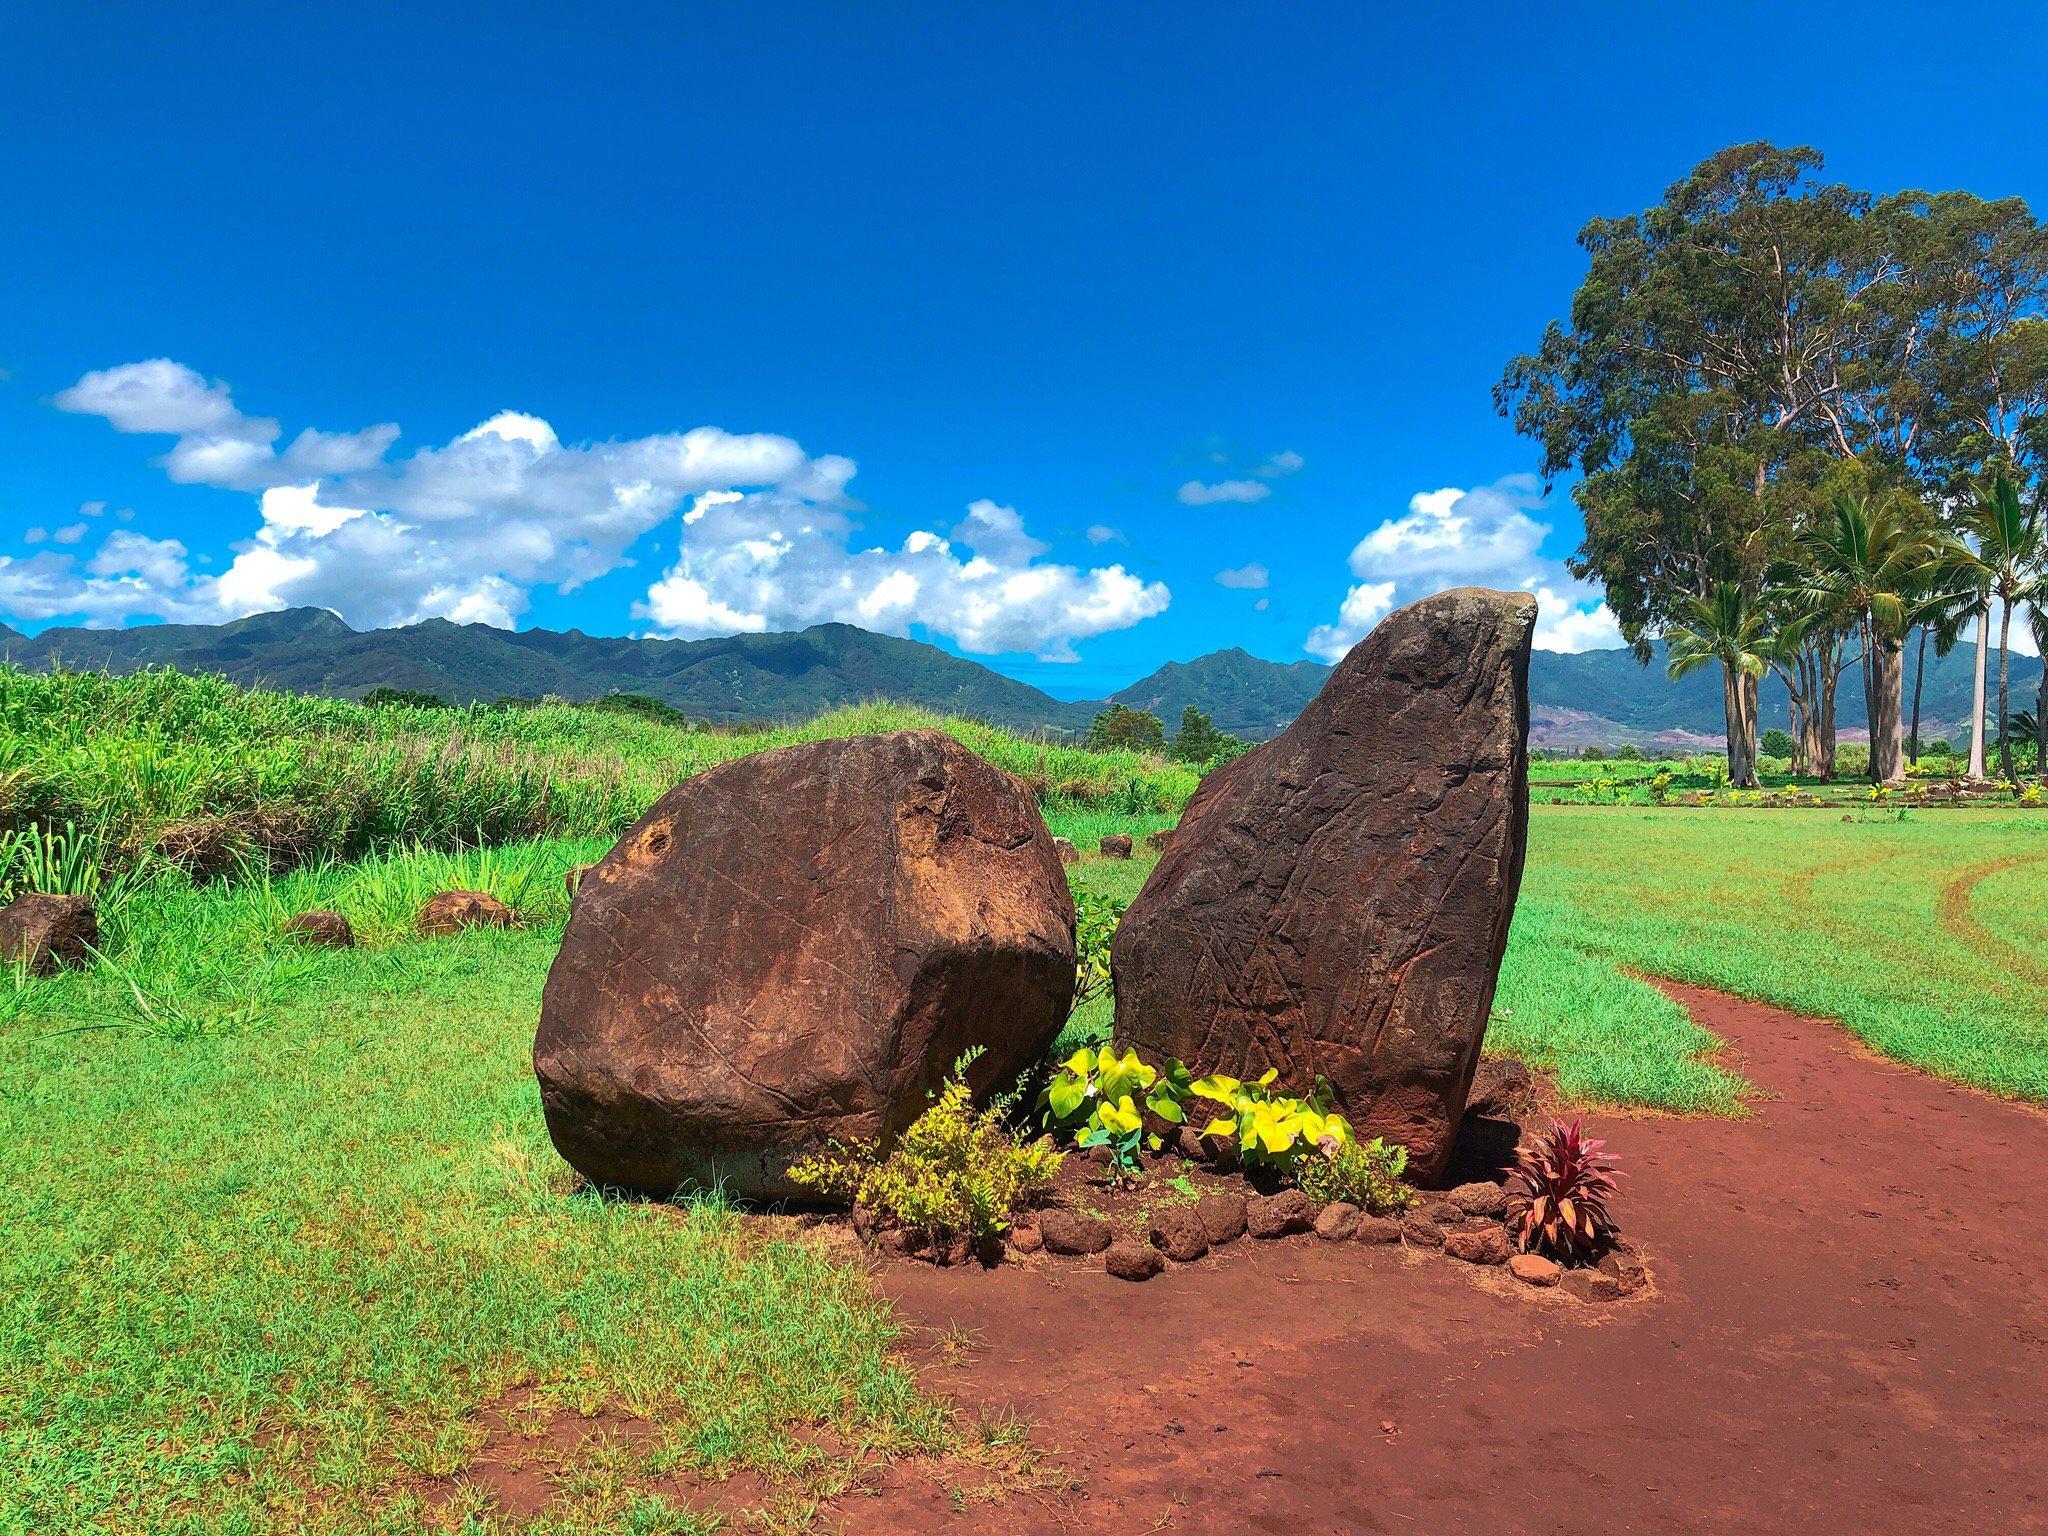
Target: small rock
(1281,1215)
(1444,1214)
(1178,1233)
(325,930)
(1534,1269)
(901,1241)
(572,879)
(1479,1245)
(44,933)
(1624,1266)
(1480,1199)
(1502,1089)
(1116,846)
(1377,1229)
(1337,1221)
(1188,1142)
(453,911)
(1223,1216)
(1070,1232)
(1162,839)
(1423,1234)
(1133,1261)
(1026,1239)
(1592,1285)
(1068,853)
(957,1249)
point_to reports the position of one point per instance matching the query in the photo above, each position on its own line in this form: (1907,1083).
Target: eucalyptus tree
(1730,627)
(2009,554)
(1884,562)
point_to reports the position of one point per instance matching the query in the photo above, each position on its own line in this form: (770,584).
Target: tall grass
(216,777)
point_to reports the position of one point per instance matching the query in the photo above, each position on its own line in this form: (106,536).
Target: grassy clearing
(280,1233)
(1924,933)
(217,775)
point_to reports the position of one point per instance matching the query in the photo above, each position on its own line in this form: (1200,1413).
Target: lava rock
(324,930)
(1025,1239)
(795,947)
(1592,1285)
(1067,852)
(1133,1261)
(1281,1215)
(1502,1089)
(1423,1234)
(1162,839)
(452,911)
(1070,1232)
(1116,846)
(44,933)
(1479,1245)
(1338,899)
(1534,1269)
(1337,1221)
(1376,1229)
(1444,1213)
(1479,1199)
(1624,1266)
(1178,1233)
(1223,1215)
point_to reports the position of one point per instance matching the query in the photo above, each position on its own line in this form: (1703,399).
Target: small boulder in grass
(1479,1245)
(1072,1233)
(322,930)
(1480,1199)
(43,933)
(1065,848)
(1116,846)
(1281,1215)
(1534,1269)
(453,911)
(1161,840)
(1337,1221)
(1178,1233)
(1129,1260)
(1222,1215)
(1377,1229)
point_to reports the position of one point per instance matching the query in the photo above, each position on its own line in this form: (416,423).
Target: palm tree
(1878,560)
(1945,629)
(2009,554)
(1729,626)
(2037,621)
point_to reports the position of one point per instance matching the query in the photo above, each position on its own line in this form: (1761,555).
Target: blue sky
(1015,329)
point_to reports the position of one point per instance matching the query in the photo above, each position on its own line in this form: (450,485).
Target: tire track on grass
(1954,911)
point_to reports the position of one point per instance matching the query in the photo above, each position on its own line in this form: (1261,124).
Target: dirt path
(1850,1332)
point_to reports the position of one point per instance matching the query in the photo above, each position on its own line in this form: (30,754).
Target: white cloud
(1245,577)
(1196,494)
(37,535)
(771,561)
(468,529)
(1286,462)
(1101,533)
(1487,536)
(70,535)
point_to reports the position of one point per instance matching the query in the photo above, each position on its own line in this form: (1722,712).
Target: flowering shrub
(1366,1173)
(954,1171)
(1558,1194)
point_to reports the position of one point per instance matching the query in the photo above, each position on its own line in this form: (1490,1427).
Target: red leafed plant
(1558,1194)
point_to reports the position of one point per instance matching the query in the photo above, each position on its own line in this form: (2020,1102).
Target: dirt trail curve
(1850,1333)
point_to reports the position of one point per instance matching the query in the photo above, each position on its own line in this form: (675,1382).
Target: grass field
(285,1222)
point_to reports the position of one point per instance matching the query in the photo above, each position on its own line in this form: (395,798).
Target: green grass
(133,762)
(279,1235)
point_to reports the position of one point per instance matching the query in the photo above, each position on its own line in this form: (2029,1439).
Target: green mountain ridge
(1603,698)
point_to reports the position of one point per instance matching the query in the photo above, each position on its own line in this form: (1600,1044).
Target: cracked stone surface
(1336,902)
(795,947)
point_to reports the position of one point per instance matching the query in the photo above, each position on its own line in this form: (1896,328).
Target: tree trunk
(1824,722)
(2004,682)
(1738,697)
(2041,724)
(1884,675)
(1977,706)
(1919,677)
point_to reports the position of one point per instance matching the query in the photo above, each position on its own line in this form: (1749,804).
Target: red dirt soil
(1849,1332)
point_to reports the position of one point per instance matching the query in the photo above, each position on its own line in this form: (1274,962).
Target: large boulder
(795,947)
(1335,903)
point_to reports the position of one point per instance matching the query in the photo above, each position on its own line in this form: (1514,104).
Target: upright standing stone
(795,947)
(1336,902)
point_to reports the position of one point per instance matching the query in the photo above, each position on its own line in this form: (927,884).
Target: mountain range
(1604,698)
